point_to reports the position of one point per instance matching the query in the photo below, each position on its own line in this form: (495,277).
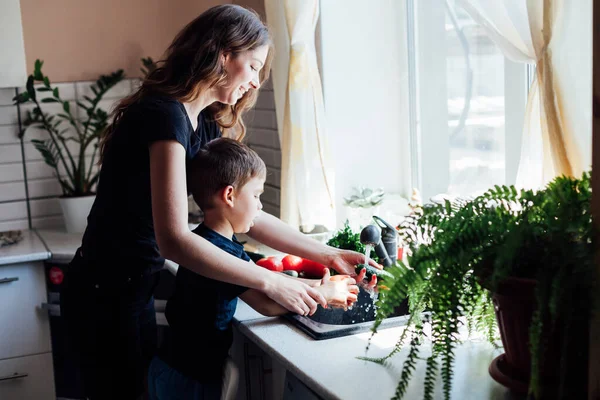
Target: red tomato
(271,263)
(312,268)
(293,263)
(400,253)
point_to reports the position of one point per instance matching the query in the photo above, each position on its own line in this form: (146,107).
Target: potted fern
(71,140)
(517,260)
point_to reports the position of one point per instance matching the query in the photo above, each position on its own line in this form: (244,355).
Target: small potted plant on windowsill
(362,204)
(517,260)
(72,144)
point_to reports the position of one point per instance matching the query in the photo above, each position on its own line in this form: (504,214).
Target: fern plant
(65,149)
(459,253)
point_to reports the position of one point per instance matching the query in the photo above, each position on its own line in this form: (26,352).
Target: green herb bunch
(346,239)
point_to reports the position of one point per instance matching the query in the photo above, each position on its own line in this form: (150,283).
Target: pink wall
(81,39)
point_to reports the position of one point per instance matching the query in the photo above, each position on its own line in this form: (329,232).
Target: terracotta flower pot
(514,304)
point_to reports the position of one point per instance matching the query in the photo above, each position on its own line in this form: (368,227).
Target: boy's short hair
(219,163)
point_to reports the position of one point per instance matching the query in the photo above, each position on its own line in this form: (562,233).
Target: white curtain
(307,187)
(555,141)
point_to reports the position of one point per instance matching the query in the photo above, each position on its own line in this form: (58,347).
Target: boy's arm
(262,303)
(340,291)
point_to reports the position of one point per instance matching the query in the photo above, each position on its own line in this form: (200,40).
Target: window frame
(428,110)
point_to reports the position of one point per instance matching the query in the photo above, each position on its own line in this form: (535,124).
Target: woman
(210,76)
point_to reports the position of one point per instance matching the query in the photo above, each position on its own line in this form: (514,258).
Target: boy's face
(247,205)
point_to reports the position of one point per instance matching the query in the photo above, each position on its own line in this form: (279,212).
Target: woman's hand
(345,262)
(294,295)
(339,290)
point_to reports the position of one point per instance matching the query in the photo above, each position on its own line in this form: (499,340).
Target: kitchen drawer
(27,378)
(24,325)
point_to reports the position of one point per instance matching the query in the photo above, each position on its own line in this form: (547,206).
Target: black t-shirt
(200,312)
(120,230)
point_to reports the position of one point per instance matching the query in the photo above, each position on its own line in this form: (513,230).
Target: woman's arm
(176,242)
(278,235)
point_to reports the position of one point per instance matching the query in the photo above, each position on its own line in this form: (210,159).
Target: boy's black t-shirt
(199,313)
(120,230)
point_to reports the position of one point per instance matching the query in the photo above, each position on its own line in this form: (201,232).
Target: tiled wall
(42,185)
(262,136)
(43,188)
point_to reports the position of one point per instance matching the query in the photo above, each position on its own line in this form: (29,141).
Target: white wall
(366,95)
(12,56)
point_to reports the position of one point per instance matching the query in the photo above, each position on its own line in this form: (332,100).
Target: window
(467,102)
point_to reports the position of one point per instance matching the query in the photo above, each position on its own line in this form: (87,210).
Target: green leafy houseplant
(364,198)
(76,177)
(459,256)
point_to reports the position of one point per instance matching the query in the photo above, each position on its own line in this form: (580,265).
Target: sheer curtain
(554,141)
(307,187)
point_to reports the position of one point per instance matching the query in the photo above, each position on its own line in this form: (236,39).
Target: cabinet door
(296,390)
(24,325)
(12,56)
(27,378)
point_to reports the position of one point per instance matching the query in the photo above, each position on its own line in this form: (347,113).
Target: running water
(368,249)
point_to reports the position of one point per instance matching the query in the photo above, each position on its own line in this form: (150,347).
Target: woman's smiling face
(242,74)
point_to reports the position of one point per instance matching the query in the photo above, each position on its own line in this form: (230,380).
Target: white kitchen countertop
(60,244)
(31,248)
(330,368)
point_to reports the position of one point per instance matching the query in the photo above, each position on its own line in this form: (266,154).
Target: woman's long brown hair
(192,63)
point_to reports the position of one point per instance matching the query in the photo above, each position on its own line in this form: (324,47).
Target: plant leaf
(21,98)
(37,70)
(30,88)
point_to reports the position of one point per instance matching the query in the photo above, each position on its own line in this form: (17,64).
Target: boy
(226,179)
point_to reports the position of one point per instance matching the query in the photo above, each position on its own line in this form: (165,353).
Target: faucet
(384,241)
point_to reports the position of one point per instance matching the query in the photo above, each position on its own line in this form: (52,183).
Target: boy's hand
(340,291)
(371,285)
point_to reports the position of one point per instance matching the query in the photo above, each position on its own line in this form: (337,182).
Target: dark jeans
(112,328)
(166,383)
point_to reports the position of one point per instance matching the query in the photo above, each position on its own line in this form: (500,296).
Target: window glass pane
(475,94)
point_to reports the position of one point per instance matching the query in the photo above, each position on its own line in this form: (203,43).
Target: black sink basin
(329,323)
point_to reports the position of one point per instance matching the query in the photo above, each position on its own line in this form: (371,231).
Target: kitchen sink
(331,323)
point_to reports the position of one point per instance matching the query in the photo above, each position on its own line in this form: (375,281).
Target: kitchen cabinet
(260,376)
(26,370)
(26,363)
(294,389)
(27,378)
(13,69)
(24,326)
